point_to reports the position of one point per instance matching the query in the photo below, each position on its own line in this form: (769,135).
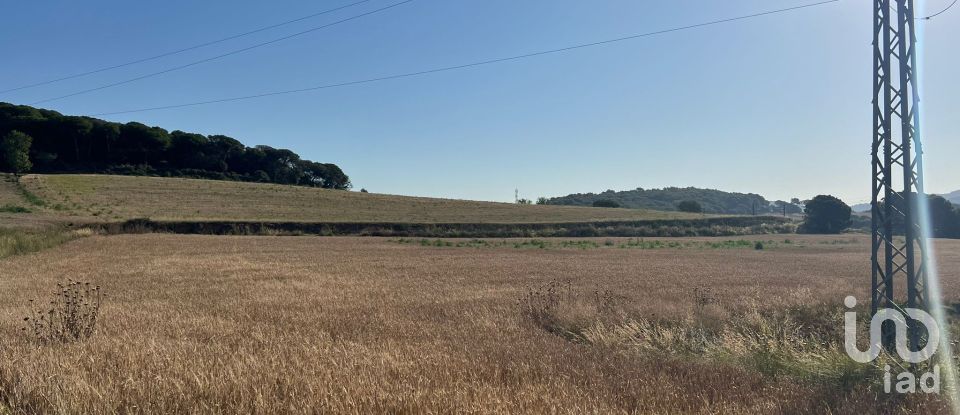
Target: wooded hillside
(73,144)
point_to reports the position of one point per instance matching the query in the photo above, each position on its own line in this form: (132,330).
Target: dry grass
(112,198)
(349,325)
(9,195)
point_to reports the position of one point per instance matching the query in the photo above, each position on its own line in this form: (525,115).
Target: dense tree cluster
(690,206)
(15,152)
(88,145)
(669,198)
(944,216)
(606,203)
(953,197)
(826,215)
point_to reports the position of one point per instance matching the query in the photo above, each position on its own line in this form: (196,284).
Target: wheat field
(214,324)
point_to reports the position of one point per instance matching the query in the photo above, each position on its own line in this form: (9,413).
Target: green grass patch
(30,197)
(19,242)
(14,209)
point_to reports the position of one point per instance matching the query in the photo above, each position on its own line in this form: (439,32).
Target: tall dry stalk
(70,316)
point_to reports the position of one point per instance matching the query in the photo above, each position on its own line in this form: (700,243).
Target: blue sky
(777,105)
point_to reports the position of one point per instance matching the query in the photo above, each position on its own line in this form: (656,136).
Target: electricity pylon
(897,167)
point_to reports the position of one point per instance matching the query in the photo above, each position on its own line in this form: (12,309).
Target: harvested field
(9,194)
(104,198)
(217,324)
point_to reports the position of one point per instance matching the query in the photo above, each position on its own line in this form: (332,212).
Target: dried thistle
(71,316)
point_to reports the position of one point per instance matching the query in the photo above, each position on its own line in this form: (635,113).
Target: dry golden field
(98,198)
(214,324)
(8,193)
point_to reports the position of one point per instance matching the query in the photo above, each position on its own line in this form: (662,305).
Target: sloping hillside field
(130,204)
(112,198)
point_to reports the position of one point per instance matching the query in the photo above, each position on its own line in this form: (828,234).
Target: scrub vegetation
(24,241)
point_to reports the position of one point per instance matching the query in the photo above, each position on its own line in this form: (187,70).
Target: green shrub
(826,215)
(14,209)
(29,196)
(606,203)
(690,206)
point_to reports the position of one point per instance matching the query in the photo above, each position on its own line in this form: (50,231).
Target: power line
(234,52)
(941,11)
(186,49)
(474,64)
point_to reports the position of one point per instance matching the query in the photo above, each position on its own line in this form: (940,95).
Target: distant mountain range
(953,197)
(861,207)
(712,201)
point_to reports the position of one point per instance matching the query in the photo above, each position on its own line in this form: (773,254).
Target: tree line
(829,215)
(944,215)
(71,144)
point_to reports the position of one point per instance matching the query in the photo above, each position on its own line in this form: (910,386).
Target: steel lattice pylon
(898,255)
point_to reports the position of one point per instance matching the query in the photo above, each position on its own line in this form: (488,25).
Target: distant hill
(861,207)
(713,201)
(953,197)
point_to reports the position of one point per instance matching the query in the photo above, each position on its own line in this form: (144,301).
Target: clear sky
(778,105)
